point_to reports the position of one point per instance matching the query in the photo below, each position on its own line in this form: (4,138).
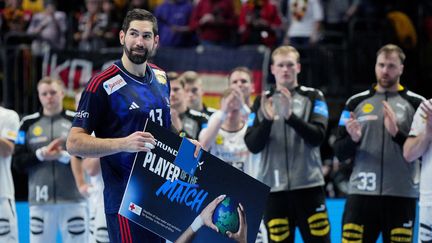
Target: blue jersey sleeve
(90,111)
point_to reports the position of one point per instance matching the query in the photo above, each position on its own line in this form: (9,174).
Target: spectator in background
(215,22)
(259,23)
(34,6)
(338,13)
(14,20)
(55,203)
(194,93)
(48,28)
(189,122)
(9,124)
(305,17)
(112,28)
(173,18)
(133,4)
(91,27)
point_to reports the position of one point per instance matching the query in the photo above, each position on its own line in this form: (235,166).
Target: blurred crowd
(94,24)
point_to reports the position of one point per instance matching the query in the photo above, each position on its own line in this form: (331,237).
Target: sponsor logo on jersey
(367,108)
(401,234)
(113,84)
(319,224)
(160,76)
(367,118)
(41,139)
(320,107)
(352,232)
(82,114)
(219,139)
(278,229)
(37,130)
(10,134)
(133,106)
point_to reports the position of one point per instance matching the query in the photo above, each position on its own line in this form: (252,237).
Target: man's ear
(121,37)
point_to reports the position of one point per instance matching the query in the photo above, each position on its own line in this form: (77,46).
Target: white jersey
(9,125)
(418,126)
(231,148)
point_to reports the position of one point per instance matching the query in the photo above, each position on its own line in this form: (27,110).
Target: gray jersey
(49,181)
(290,152)
(379,165)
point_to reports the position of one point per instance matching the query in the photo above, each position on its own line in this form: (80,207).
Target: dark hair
(139,14)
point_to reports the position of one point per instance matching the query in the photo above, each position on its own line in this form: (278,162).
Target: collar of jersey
(146,79)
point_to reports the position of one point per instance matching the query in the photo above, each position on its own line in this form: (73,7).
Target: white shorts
(8,221)
(425,221)
(68,218)
(98,226)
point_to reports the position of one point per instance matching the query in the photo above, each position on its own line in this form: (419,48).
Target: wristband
(64,157)
(197,223)
(39,153)
(221,115)
(245,110)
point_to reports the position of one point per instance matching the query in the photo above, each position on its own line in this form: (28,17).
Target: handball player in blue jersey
(115,105)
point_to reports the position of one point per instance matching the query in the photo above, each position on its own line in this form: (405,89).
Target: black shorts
(365,217)
(303,208)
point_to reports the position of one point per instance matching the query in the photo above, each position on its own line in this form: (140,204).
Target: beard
(387,83)
(137,58)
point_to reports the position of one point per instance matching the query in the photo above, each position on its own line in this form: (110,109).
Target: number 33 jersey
(379,165)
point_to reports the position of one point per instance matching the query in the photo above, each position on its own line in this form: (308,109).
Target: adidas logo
(133,106)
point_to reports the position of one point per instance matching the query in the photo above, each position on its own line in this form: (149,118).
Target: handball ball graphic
(226,217)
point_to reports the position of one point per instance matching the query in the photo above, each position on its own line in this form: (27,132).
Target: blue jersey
(115,104)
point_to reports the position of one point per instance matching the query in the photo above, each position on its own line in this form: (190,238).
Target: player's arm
(312,132)
(80,143)
(187,236)
(415,147)
(208,134)
(421,133)
(257,135)
(78,173)
(8,135)
(6,147)
(23,157)
(204,218)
